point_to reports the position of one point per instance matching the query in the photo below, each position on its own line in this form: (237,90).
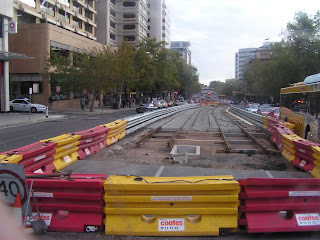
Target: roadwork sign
(13,181)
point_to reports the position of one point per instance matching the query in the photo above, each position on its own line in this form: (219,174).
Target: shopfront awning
(61,46)
(6,56)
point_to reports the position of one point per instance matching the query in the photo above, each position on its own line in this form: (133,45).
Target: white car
(253,108)
(24,105)
(164,103)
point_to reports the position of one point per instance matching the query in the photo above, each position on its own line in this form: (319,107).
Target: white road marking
(159,171)
(249,123)
(269,174)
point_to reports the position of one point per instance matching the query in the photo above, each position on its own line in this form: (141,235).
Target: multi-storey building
(120,20)
(183,48)
(159,21)
(242,55)
(64,26)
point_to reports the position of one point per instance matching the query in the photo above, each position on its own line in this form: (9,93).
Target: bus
(300,105)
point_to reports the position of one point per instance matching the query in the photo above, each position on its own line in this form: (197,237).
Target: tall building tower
(183,48)
(242,55)
(120,20)
(159,21)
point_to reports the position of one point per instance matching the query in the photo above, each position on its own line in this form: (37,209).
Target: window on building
(89,15)
(129,4)
(113,13)
(113,1)
(148,19)
(1,22)
(163,35)
(148,27)
(163,20)
(129,38)
(148,35)
(90,3)
(88,28)
(112,24)
(148,5)
(129,27)
(112,36)
(163,28)
(129,15)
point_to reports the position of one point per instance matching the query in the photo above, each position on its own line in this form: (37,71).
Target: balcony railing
(46,10)
(64,18)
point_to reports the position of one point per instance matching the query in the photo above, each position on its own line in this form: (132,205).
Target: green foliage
(294,58)
(152,70)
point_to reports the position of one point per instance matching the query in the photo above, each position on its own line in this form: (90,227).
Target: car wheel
(11,109)
(33,110)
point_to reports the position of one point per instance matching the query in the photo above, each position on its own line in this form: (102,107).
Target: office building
(159,21)
(242,55)
(183,48)
(120,20)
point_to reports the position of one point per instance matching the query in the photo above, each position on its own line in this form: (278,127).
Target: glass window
(129,4)
(129,27)
(129,15)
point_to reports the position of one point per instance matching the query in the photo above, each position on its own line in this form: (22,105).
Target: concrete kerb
(8,120)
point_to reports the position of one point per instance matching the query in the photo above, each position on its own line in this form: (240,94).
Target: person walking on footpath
(82,102)
(50,101)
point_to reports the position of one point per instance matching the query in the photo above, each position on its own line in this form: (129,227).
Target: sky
(216,29)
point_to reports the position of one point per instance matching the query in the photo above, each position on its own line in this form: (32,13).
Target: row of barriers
(177,206)
(302,153)
(54,154)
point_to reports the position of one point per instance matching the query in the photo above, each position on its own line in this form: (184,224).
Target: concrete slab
(89,166)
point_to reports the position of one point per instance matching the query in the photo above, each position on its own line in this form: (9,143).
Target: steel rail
(181,128)
(222,133)
(140,121)
(251,136)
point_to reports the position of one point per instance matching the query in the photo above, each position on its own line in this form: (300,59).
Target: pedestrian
(130,102)
(82,103)
(87,103)
(50,101)
(123,103)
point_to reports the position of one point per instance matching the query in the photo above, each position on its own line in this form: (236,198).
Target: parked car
(164,103)
(275,113)
(170,104)
(24,105)
(265,110)
(253,108)
(157,104)
(145,107)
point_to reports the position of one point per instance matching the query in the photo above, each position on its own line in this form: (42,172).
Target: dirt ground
(155,151)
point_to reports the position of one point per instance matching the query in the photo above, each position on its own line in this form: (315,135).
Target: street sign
(13,181)
(12,27)
(58,88)
(30,91)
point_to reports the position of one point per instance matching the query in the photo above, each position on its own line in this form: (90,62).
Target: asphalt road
(20,136)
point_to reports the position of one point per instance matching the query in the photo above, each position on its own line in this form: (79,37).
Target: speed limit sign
(12,182)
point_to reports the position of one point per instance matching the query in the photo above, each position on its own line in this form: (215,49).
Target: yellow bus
(300,105)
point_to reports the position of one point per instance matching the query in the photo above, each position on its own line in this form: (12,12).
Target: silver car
(24,105)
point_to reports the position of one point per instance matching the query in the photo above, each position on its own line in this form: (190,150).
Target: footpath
(14,119)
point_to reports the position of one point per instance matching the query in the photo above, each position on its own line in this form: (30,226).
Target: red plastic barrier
(72,204)
(280,205)
(92,141)
(303,164)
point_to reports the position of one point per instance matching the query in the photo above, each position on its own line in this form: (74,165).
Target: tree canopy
(294,58)
(152,70)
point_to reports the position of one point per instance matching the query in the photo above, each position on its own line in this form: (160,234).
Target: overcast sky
(216,29)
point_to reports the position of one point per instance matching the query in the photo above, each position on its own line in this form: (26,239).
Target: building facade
(120,20)
(159,24)
(183,47)
(64,26)
(242,55)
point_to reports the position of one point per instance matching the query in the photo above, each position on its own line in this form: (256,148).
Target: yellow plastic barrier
(316,172)
(287,124)
(66,150)
(63,139)
(288,154)
(117,131)
(8,158)
(170,206)
(65,158)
